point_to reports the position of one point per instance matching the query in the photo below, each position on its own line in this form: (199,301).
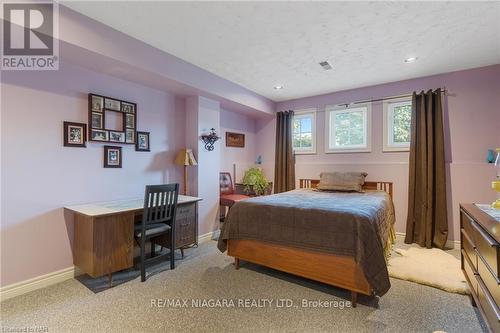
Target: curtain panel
(427,221)
(284,169)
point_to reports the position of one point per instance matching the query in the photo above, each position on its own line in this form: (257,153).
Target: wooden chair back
(226,183)
(373,185)
(160,204)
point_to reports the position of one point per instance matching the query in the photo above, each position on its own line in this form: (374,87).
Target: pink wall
(40,176)
(472,116)
(244,157)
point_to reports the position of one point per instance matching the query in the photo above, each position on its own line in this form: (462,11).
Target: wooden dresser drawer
(491,282)
(490,309)
(467,224)
(468,247)
(486,247)
(469,272)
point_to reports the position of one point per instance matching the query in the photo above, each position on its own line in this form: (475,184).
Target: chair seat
(151,229)
(231,199)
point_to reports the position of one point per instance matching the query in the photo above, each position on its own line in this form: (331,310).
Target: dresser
(480,247)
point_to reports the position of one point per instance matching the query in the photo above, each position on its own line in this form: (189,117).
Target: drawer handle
(491,241)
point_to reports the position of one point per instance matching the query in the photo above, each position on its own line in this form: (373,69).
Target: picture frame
(142,141)
(129,120)
(97,103)
(112,157)
(112,104)
(100,108)
(235,140)
(117,136)
(129,135)
(97,120)
(99,135)
(128,107)
(74,134)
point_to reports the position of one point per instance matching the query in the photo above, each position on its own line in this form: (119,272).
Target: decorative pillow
(342,181)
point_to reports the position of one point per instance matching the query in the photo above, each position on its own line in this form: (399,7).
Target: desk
(104,232)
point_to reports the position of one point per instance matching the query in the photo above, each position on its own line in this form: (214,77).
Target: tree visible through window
(348,129)
(397,125)
(303,132)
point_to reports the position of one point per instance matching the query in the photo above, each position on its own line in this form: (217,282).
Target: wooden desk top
(120,206)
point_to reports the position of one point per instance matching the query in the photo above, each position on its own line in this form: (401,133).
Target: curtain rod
(443,90)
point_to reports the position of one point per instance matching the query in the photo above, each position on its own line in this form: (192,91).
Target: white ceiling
(262,44)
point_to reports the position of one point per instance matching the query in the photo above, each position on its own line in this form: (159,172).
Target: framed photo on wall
(235,140)
(112,157)
(142,142)
(75,134)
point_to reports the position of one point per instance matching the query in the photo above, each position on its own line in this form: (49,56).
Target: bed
(337,238)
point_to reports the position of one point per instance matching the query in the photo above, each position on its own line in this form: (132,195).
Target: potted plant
(255,181)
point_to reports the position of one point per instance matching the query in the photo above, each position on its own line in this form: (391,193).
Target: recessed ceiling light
(411,59)
(278,87)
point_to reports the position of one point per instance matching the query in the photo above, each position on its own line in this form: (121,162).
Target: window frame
(332,109)
(302,113)
(388,126)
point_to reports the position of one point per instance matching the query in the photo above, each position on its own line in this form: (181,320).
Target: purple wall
(40,176)
(472,116)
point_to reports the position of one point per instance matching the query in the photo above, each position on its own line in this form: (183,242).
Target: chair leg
(237,263)
(172,251)
(110,280)
(143,268)
(182,252)
(152,249)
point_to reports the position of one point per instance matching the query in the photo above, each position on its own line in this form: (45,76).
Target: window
(348,129)
(397,125)
(304,131)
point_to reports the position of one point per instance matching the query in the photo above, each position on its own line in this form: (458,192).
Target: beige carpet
(207,274)
(430,267)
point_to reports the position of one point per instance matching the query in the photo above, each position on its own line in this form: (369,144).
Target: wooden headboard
(381,186)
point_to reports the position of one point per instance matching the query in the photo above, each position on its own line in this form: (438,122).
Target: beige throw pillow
(342,181)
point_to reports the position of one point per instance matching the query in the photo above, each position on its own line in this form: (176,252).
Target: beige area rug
(431,267)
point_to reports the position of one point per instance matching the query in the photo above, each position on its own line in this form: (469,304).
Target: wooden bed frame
(339,271)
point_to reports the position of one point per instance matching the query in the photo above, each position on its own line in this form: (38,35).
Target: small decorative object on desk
(74,134)
(142,143)
(255,181)
(112,157)
(210,139)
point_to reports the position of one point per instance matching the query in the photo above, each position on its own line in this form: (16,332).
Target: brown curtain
(284,167)
(427,222)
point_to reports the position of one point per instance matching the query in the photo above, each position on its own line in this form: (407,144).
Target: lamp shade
(185,157)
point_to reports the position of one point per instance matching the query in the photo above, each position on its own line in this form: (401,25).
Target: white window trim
(306,151)
(367,148)
(389,146)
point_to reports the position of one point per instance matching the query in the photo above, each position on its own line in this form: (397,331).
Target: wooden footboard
(339,271)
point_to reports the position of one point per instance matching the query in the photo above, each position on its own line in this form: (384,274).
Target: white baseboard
(35,283)
(452,244)
(23,287)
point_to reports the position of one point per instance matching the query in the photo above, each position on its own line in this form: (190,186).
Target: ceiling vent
(325,65)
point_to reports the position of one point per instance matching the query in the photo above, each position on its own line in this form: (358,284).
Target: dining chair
(158,218)
(227,194)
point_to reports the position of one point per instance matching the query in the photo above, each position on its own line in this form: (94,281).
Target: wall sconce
(210,139)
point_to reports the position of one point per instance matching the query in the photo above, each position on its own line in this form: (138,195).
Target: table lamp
(186,158)
(496,183)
